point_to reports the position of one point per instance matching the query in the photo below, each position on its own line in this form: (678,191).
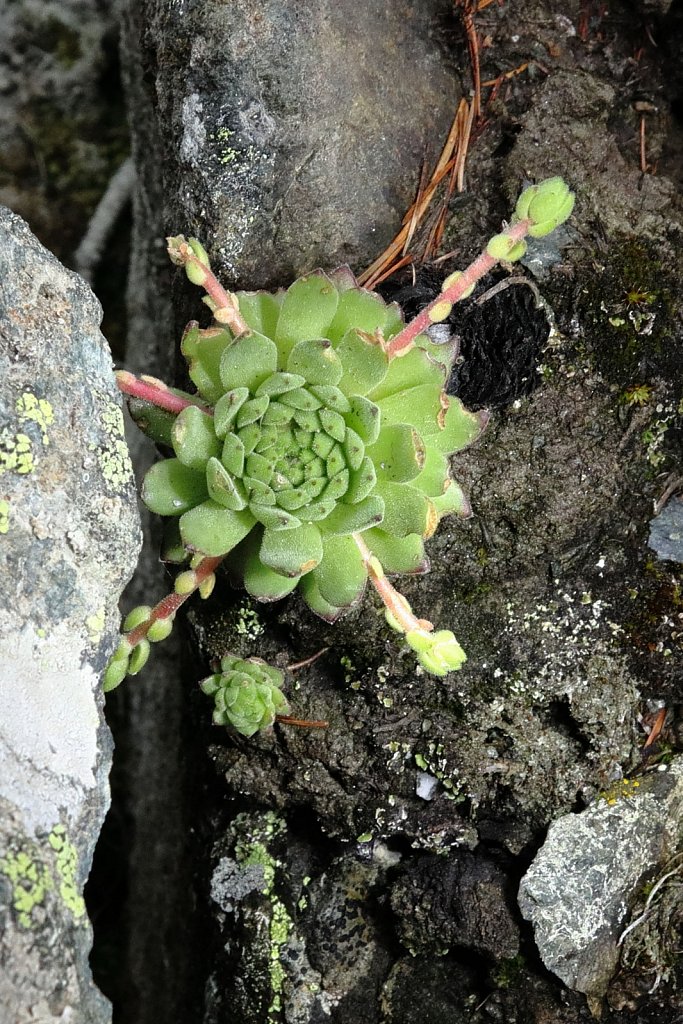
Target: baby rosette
(306,435)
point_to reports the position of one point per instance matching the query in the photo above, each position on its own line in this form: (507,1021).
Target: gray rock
(585,879)
(291,135)
(666,532)
(69,537)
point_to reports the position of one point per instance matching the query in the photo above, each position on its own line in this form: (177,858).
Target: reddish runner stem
(476,270)
(394,602)
(154,391)
(170,604)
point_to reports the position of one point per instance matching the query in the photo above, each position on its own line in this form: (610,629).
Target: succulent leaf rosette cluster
(309,434)
(315,451)
(246,694)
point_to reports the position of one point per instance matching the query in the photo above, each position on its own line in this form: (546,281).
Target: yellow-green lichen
(67,866)
(95,625)
(16,453)
(39,410)
(112,454)
(30,881)
(248,623)
(624,788)
(252,849)
(433,761)
(4,516)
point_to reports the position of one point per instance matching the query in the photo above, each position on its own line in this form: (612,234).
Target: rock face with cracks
(565,616)
(68,538)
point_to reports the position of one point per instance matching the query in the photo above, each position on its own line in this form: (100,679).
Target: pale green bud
(138,658)
(160,629)
(136,617)
(114,675)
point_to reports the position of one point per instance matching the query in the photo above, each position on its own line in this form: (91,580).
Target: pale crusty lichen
(112,453)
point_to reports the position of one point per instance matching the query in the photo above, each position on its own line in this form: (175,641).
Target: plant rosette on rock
(315,452)
(314,435)
(247,694)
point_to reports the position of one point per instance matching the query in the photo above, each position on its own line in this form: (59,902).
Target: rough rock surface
(567,619)
(588,874)
(69,536)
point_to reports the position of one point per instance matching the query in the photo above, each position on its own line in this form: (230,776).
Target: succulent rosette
(303,433)
(246,694)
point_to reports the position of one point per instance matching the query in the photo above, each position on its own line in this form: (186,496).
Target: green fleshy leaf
(151,420)
(250,437)
(277,415)
(365,363)
(407,510)
(280,384)
(316,360)
(335,462)
(452,500)
(214,530)
(420,407)
(435,473)
(261,310)
(317,510)
(223,488)
(455,429)
(247,362)
(259,492)
(172,547)
(337,486)
(354,449)
(398,554)
(259,581)
(226,409)
(398,454)
(273,517)
(308,589)
(258,468)
(203,353)
(361,481)
(343,278)
(292,498)
(413,370)
(333,423)
(252,410)
(345,519)
(233,455)
(322,445)
(364,418)
(395,321)
(301,399)
(358,308)
(292,552)
(332,397)
(171,488)
(193,437)
(308,420)
(341,575)
(307,311)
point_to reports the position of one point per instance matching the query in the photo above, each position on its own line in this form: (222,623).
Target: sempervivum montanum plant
(315,452)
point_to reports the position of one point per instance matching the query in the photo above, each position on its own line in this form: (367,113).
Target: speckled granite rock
(69,536)
(585,879)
